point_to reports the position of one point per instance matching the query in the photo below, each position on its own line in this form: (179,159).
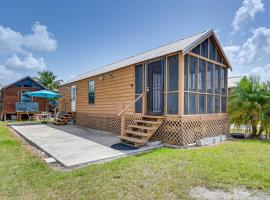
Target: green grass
(161,174)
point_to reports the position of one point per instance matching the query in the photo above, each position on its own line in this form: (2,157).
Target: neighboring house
(13,102)
(180,91)
(233,81)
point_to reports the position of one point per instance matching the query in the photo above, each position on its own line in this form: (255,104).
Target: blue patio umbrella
(46,94)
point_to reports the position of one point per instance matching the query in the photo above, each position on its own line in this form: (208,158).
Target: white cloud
(10,41)
(40,39)
(246,12)
(7,74)
(231,51)
(263,72)
(20,47)
(256,47)
(13,42)
(29,62)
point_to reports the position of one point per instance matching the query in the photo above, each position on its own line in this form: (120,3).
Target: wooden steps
(138,133)
(147,122)
(64,119)
(132,139)
(142,131)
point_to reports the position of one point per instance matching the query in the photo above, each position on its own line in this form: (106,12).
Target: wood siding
(113,91)
(12,95)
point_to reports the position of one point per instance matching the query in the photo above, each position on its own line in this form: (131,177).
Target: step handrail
(123,112)
(133,102)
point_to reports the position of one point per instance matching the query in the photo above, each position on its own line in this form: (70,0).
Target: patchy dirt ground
(240,193)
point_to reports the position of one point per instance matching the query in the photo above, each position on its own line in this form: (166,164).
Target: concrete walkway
(74,146)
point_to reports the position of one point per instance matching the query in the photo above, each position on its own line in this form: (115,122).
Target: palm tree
(264,101)
(249,102)
(243,105)
(48,79)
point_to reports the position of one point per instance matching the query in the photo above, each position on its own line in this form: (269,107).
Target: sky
(72,37)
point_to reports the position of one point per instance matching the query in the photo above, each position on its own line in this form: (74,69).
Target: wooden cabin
(176,93)
(15,105)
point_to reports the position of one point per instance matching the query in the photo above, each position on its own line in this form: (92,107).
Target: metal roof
(183,45)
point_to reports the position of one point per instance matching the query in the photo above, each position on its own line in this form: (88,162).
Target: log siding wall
(113,91)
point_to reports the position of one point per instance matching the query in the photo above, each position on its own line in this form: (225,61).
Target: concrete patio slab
(73,146)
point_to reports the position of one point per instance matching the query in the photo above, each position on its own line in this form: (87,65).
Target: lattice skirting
(103,121)
(182,130)
(187,129)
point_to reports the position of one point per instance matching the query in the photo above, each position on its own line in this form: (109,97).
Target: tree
(48,79)
(249,102)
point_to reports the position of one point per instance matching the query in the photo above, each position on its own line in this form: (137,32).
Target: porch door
(155,75)
(73,98)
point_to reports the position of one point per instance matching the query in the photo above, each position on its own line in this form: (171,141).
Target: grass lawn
(161,174)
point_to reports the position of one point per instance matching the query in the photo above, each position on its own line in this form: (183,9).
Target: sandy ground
(240,193)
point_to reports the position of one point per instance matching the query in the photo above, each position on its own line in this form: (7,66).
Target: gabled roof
(26,77)
(184,45)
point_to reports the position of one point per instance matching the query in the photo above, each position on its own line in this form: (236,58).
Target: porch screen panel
(186,73)
(186,103)
(193,103)
(205,88)
(210,104)
(193,73)
(212,50)
(224,74)
(204,48)
(138,87)
(223,104)
(202,76)
(172,88)
(202,103)
(210,73)
(217,78)
(217,103)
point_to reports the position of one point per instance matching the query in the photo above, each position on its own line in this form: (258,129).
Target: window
(172,77)
(138,87)
(202,76)
(204,48)
(217,78)
(25,98)
(91,94)
(209,77)
(193,69)
(212,50)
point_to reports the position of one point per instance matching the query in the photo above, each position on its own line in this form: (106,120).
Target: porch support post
(123,124)
(181,84)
